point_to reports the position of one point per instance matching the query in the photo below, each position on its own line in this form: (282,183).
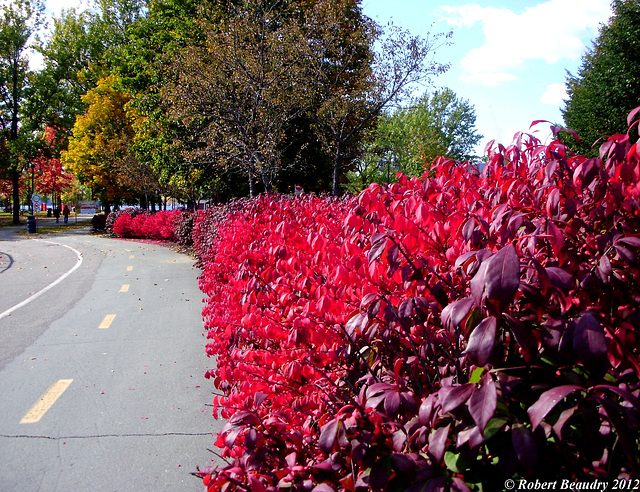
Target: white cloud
(555,94)
(551,31)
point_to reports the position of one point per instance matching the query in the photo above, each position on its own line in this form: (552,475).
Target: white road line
(51,285)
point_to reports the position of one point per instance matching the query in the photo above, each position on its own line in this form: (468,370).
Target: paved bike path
(134,413)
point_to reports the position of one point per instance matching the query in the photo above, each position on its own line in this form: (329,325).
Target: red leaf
(547,401)
(632,115)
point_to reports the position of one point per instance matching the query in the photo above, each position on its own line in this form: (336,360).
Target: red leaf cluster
(160,225)
(439,333)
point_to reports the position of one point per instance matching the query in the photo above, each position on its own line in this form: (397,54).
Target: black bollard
(31,224)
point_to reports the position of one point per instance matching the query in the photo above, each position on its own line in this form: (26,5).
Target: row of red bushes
(449,332)
(174,225)
(443,333)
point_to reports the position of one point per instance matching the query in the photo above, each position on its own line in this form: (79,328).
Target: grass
(57,229)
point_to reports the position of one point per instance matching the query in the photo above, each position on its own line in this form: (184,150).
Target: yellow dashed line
(129,268)
(46,401)
(106,322)
(124,288)
(131,257)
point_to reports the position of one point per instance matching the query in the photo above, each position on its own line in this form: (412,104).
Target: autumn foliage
(440,333)
(136,223)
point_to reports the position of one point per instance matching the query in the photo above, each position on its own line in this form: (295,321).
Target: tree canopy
(19,21)
(607,85)
(408,139)
(215,98)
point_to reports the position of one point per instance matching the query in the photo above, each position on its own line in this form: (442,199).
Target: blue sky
(509,58)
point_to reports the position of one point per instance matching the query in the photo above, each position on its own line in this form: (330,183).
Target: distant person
(298,190)
(66,212)
(56,214)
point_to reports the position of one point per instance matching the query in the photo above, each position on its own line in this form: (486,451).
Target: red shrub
(147,226)
(123,226)
(452,331)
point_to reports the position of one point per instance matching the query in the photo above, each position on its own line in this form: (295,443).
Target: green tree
(81,50)
(19,22)
(350,101)
(240,93)
(73,61)
(168,27)
(607,86)
(409,139)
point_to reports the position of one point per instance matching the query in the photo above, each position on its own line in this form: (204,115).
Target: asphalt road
(101,374)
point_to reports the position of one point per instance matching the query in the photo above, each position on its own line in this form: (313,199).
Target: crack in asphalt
(60,438)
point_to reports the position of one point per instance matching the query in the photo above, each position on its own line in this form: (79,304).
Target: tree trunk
(252,186)
(15,181)
(337,166)
(266,181)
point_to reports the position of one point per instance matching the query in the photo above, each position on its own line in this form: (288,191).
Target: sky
(509,58)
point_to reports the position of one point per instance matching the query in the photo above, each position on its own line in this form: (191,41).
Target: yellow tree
(99,151)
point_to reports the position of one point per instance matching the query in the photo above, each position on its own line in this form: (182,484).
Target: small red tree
(54,180)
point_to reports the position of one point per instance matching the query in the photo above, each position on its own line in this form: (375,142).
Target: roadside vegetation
(419,318)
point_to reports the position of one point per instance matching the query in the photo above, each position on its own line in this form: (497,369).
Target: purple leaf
(589,341)
(378,246)
(483,402)
(437,442)
(468,228)
(405,310)
(482,341)
(244,417)
(331,434)
(455,313)
(470,435)
(553,203)
(630,240)
(380,474)
(323,487)
(459,485)
(625,254)
(623,393)
(426,407)
(560,278)
(604,265)
(523,335)
(392,258)
(402,464)
(451,397)
(503,275)
(564,417)
(356,324)
(547,401)
(478,283)
(391,402)
(524,446)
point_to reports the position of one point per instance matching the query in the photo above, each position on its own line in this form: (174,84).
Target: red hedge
(452,331)
(160,225)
